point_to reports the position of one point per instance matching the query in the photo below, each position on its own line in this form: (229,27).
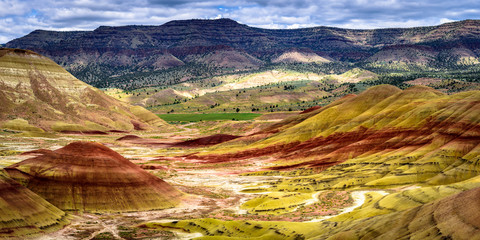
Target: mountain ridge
(226,23)
(101,56)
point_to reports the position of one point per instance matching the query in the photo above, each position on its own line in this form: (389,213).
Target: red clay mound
(128,137)
(311,109)
(117,131)
(89,176)
(207,141)
(133,139)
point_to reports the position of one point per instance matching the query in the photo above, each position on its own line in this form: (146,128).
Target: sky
(20,17)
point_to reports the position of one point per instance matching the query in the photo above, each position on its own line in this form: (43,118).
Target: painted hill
(23,212)
(87,176)
(101,57)
(393,136)
(39,95)
(412,154)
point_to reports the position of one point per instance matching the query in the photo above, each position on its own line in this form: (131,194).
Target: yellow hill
(23,212)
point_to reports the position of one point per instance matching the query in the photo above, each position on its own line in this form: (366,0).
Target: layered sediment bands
(454,217)
(87,176)
(37,91)
(207,141)
(379,204)
(382,137)
(23,212)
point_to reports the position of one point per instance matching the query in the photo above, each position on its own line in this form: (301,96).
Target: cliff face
(189,35)
(139,48)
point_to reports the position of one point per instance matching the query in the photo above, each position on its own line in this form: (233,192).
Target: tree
(238,110)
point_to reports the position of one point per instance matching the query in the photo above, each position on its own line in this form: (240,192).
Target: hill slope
(23,212)
(37,94)
(87,176)
(381,137)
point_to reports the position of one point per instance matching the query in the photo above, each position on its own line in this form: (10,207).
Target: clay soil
(210,189)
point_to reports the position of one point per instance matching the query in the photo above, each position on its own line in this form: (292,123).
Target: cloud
(19,17)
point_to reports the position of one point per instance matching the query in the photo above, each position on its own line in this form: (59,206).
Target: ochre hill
(381,137)
(23,212)
(88,176)
(38,95)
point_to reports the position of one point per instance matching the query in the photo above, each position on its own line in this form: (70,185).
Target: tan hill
(23,212)
(355,75)
(39,95)
(231,90)
(227,58)
(88,176)
(295,56)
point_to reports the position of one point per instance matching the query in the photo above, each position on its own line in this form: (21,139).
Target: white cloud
(12,7)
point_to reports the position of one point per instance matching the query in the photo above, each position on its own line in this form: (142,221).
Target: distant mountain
(38,95)
(204,47)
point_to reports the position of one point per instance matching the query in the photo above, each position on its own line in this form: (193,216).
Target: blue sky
(19,17)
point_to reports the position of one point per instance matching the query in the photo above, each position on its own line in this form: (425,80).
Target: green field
(194,117)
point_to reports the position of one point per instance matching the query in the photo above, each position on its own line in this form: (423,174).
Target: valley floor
(212,191)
